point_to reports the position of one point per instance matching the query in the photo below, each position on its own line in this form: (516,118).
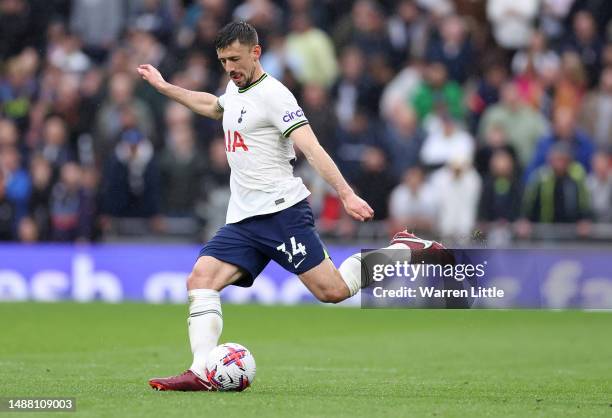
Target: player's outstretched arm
(203,103)
(307,142)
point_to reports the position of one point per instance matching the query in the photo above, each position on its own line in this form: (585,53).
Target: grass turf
(315,361)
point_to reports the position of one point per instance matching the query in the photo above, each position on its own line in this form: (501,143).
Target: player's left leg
(301,252)
(326,283)
(332,285)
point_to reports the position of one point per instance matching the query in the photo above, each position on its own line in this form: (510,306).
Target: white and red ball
(230,367)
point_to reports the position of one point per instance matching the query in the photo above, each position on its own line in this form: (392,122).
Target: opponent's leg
(208,277)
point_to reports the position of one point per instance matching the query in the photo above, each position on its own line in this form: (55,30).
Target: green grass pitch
(314,361)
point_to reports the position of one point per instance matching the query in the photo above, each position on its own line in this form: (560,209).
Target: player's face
(239,62)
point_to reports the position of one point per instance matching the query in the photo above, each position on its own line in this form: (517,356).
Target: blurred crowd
(446,116)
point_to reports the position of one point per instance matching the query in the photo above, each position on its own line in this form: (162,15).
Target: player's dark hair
(240,31)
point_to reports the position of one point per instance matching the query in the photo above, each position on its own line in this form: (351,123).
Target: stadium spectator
(401,88)
(443,143)
(500,201)
(54,145)
(512,21)
(99,24)
(7,213)
(18,28)
(145,48)
(130,185)
(586,41)
(18,87)
(180,168)
(537,54)
(317,11)
(69,220)
(529,86)
(436,93)
(572,83)
(204,37)
(553,15)
(315,102)
(9,135)
(38,206)
(310,53)
(353,88)
(215,187)
(458,190)
(596,112)
(153,16)
(120,111)
(91,90)
(405,138)
(27,230)
(523,124)
(375,181)
(454,49)
(496,140)
(565,131)
(89,210)
(263,14)
(557,192)
(68,56)
(599,183)
(413,202)
(486,92)
(274,57)
(16,180)
(353,140)
(364,28)
(407,29)
(381,74)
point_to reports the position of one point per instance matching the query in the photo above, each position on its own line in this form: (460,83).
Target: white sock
(205,324)
(350,269)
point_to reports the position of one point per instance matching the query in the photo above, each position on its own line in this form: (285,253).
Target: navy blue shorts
(288,237)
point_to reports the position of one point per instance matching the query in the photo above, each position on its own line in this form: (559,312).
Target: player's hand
(150,74)
(357,208)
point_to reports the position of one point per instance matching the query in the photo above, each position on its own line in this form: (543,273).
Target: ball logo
(289,116)
(234,356)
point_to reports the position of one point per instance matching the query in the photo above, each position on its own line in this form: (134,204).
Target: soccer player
(268,217)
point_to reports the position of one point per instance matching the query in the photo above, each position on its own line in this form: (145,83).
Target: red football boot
(186,382)
(423,250)
(415,243)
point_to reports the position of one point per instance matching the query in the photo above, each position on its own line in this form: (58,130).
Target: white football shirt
(257,121)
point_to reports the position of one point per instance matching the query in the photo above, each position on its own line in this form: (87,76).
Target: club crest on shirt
(242,112)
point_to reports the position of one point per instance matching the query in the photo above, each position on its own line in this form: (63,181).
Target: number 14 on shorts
(296,248)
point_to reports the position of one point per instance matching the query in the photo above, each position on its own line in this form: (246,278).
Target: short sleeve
(221,102)
(284,112)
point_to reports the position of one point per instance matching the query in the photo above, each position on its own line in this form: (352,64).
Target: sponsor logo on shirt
(289,116)
(237,142)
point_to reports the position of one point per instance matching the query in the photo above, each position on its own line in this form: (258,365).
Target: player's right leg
(230,257)
(208,277)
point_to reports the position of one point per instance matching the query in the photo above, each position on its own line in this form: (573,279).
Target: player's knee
(332,295)
(200,278)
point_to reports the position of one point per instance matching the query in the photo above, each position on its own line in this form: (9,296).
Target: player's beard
(247,79)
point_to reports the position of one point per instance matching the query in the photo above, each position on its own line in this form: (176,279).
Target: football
(230,367)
